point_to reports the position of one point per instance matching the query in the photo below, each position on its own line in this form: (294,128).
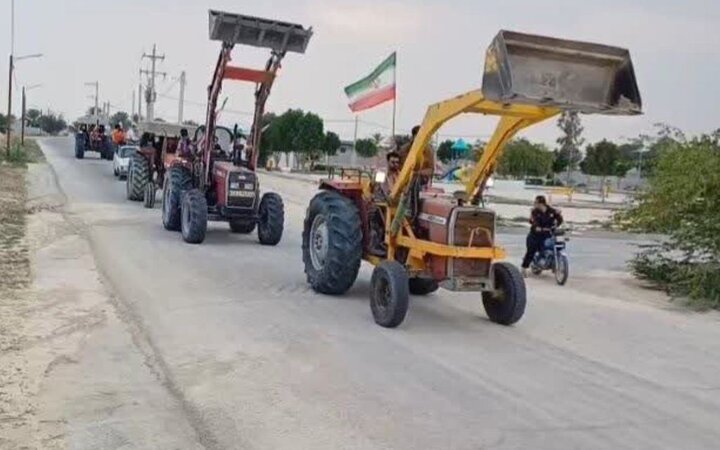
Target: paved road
(259,361)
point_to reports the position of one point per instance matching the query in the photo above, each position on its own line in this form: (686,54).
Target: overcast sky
(675,46)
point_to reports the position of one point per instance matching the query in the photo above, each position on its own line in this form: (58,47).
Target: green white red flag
(375,89)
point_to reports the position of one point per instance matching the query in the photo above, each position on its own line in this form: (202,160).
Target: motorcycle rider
(544,219)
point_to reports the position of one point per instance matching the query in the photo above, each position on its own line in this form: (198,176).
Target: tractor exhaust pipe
(572,75)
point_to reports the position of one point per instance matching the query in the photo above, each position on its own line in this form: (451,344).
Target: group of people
(544,219)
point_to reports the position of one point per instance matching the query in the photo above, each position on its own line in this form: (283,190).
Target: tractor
(91,136)
(435,239)
(221,184)
(157,151)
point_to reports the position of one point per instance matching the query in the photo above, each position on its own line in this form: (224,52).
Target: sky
(675,46)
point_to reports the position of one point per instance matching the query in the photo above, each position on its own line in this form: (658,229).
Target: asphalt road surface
(257,360)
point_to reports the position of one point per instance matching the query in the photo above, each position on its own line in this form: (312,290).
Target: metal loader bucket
(258,32)
(590,78)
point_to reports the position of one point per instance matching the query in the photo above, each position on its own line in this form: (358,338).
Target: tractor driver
(427,163)
(185,145)
(544,219)
(377,221)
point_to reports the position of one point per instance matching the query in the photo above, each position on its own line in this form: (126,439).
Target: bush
(682,202)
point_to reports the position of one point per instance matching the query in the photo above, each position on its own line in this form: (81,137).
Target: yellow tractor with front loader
(435,239)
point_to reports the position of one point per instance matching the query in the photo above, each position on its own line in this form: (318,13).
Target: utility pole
(150,94)
(95,84)
(132,110)
(181,103)
(9,112)
(22,120)
(139,110)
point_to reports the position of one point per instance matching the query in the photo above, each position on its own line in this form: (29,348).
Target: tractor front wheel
(149,195)
(272,219)
(138,176)
(177,181)
(506,304)
(332,243)
(194,217)
(242,226)
(389,294)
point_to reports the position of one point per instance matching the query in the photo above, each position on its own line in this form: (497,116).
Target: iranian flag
(374,89)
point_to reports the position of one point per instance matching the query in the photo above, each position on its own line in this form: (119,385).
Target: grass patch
(14,260)
(21,155)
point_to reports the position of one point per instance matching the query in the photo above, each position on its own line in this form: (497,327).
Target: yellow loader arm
(529,79)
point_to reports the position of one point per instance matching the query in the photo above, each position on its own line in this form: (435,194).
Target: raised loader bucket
(538,70)
(258,32)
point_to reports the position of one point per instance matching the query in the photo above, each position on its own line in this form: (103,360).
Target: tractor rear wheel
(106,150)
(138,176)
(506,304)
(422,286)
(332,243)
(272,219)
(149,195)
(177,180)
(194,217)
(242,226)
(79,148)
(389,294)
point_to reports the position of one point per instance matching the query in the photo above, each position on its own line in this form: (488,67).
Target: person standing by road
(426,168)
(544,219)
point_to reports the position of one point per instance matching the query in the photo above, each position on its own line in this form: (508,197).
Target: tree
(445,152)
(401,139)
(682,202)
(522,158)
(4,122)
(32,115)
(331,144)
(366,148)
(568,156)
(121,118)
(299,132)
(52,124)
(377,138)
(603,159)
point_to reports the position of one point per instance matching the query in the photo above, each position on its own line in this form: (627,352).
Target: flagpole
(394,99)
(353,160)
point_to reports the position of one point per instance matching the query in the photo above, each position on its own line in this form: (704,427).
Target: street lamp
(24,113)
(10,79)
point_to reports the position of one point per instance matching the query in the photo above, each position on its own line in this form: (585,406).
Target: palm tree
(377,139)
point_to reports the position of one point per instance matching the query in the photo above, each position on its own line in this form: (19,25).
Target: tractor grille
(242,190)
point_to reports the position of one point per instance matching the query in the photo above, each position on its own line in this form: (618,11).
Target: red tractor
(221,184)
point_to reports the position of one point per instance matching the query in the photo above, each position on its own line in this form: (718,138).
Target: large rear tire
(506,304)
(332,243)
(422,286)
(242,226)
(272,219)
(194,217)
(79,147)
(177,181)
(389,295)
(138,177)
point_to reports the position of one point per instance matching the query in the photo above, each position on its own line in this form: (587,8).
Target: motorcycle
(553,257)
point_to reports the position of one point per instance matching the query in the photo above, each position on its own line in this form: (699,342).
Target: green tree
(366,148)
(400,139)
(603,159)
(4,122)
(297,131)
(121,118)
(568,155)
(331,144)
(32,115)
(445,152)
(522,158)
(682,202)
(51,123)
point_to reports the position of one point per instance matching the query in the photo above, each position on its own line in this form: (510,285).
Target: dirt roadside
(73,374)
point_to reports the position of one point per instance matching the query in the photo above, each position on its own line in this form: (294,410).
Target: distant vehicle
(121,159)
